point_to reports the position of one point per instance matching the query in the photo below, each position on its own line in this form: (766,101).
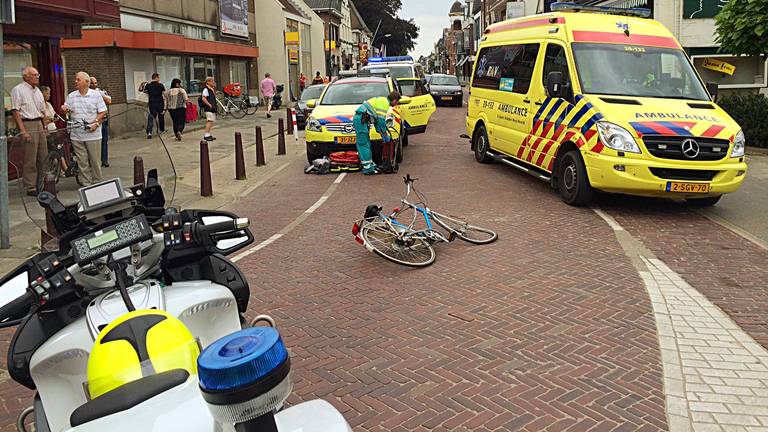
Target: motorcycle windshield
(73,151)
(114,364)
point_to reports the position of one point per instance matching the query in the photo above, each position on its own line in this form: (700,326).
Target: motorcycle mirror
(14,285)
(231,242)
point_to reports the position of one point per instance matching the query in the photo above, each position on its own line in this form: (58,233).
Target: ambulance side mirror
(312,103)
(555,88)
(713,88)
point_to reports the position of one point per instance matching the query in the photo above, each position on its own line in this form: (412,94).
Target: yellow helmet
(139,344)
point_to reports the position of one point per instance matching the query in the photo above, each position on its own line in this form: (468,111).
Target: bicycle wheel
(414,252)
(465,231)
(49,166)
(236,109)
(249,108)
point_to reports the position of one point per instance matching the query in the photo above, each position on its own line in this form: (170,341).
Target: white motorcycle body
(209,310)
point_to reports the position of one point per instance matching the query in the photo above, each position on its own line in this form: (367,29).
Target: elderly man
(28,107)
(87,110)
(105,125)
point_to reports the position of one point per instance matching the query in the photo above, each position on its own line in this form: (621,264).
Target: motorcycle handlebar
(17,307)
(222,227)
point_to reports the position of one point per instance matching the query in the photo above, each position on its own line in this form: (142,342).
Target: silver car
(446,89)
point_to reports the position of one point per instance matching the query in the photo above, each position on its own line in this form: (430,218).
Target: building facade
(35,40)
(185,39)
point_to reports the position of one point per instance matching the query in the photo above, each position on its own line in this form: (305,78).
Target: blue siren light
(241,359)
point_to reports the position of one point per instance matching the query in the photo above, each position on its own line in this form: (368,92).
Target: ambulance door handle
(526,100)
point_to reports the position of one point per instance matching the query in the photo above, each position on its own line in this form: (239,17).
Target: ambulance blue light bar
(575,7)
(390,59)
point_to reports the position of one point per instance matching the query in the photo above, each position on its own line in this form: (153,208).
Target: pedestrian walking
(105,124)
(157,104)
(268,90)
(177,107)
(28,109)
(302,83)
(209,107)
(317,79)
(372,112)
(86,105)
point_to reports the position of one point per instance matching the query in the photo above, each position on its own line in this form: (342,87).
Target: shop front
(35,40)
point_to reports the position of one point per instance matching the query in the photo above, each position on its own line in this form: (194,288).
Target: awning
(97,38)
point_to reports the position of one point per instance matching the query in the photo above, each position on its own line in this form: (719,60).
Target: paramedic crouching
(372,112)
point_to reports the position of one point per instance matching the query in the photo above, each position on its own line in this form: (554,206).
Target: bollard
(239,160)
(280,137)
(206,186)
(50,235)
(138,170)
(288,117)
(295,124)
(259,148)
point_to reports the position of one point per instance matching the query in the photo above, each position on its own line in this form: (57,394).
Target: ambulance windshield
(632,70)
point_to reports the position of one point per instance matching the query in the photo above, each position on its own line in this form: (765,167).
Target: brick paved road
(550,328)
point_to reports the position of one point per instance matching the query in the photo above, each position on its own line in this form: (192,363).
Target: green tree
(742,27)
(403,32)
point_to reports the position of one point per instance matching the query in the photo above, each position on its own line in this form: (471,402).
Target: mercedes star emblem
(690,149)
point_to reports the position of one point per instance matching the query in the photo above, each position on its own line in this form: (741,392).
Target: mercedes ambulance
(595,98)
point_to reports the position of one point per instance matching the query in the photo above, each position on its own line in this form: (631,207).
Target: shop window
(199,69)
(748,72)
(166,27)
(169,67)
(238,73)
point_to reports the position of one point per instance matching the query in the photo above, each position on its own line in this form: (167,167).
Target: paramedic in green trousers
(372,112)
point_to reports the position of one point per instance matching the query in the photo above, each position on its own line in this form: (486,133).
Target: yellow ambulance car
(601,98)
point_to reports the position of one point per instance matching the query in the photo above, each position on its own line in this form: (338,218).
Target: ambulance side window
(556,61)
(506,68)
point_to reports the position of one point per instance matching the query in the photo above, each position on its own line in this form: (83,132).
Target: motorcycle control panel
(103,242)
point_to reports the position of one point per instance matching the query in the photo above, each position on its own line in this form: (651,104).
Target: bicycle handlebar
(407,179)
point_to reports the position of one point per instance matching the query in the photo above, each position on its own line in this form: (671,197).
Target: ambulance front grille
(671,147)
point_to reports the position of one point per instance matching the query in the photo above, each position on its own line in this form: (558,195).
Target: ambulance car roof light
(575,7)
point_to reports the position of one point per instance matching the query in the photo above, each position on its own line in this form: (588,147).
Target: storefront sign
(293,56)
(363,56)
(291,38)
(515,9)
(233,15)
(693,9)
(718,66)
(332,44)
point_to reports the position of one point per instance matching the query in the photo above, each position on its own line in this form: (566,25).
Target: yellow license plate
(446,98)
(346,140)
(688,187)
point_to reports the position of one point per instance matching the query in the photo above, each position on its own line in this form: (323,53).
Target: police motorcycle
(136,323)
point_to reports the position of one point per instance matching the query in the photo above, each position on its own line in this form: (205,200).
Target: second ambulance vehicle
(593,100)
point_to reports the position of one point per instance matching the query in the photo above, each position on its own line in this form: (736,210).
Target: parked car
(446,89)
(302,110)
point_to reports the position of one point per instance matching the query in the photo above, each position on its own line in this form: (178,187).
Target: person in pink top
(268,89)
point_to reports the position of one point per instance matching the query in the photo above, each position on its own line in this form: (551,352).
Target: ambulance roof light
(390,59)
(575,7)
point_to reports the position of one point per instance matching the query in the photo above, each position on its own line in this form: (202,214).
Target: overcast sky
(431,16)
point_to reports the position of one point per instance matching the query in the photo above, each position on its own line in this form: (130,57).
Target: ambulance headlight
(616,137)
(738,145)
(314,125)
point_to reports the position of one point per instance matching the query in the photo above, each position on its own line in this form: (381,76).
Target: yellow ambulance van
(594,98)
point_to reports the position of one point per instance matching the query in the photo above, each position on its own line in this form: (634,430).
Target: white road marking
(608,219)
(715,374)
(296,222)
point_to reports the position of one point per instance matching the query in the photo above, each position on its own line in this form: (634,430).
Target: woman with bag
(177,107)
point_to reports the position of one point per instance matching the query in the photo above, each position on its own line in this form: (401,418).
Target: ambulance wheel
(482,146)
(572,181)
(405,138)
(704,202)
(399,150)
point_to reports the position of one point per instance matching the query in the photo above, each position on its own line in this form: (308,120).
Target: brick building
(185,39)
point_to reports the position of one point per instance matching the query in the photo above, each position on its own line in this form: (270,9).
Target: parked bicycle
(234,106)
(401,243)
(61,161)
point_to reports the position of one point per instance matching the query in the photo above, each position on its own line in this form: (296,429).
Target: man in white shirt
(105,124)
(86,106)
(28,108)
